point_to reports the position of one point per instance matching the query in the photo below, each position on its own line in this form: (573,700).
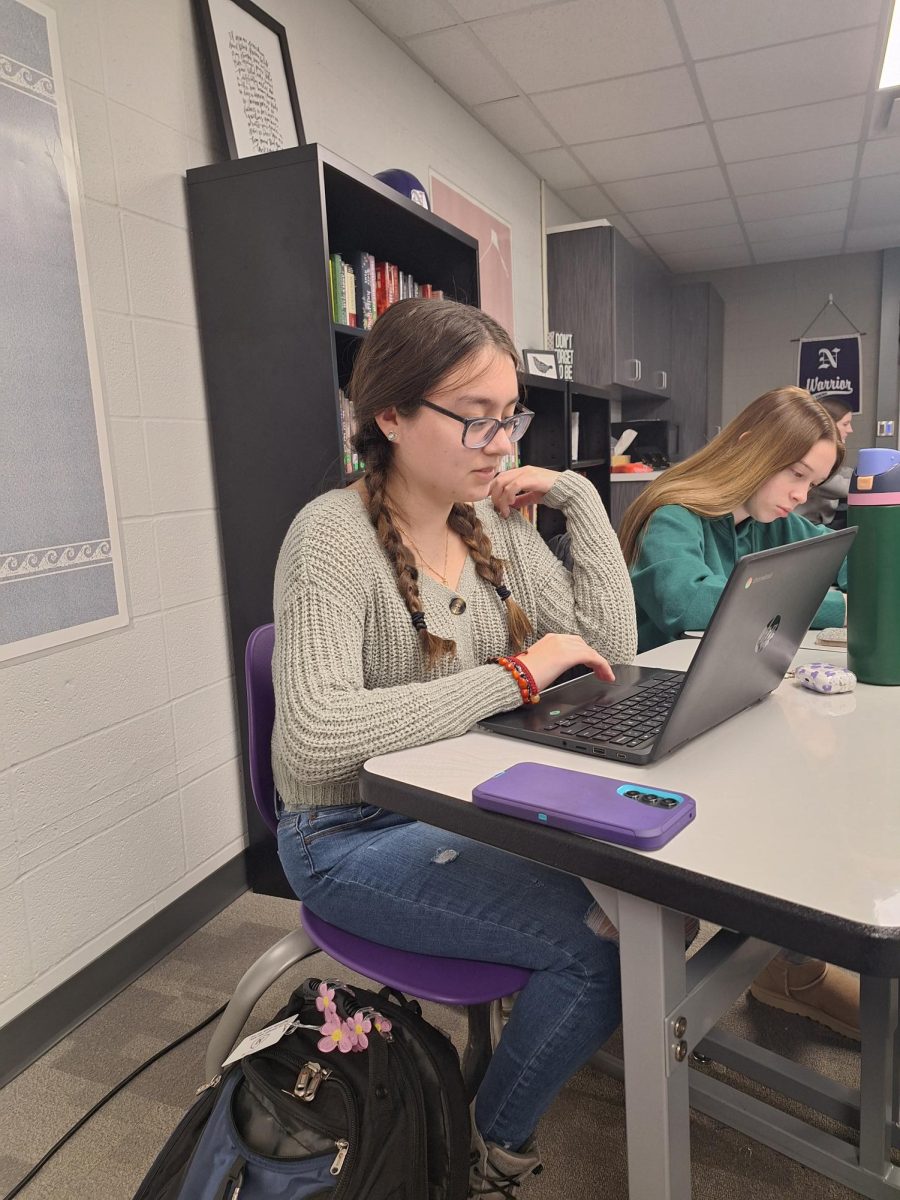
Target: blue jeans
(414,887)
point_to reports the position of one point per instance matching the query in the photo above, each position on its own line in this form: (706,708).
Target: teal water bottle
(873,596)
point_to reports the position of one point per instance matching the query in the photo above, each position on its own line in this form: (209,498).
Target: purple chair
(457,981)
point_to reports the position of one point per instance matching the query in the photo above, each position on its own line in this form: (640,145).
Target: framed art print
(251,65)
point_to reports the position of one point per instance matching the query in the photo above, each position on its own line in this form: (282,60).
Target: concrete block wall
(119,776)
(119,779)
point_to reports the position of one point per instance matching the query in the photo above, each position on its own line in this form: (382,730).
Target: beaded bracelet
(523,677)
(528,677)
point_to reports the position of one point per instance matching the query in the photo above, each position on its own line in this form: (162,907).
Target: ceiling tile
(516,123)
(472,10)
(588,202)
(455,59)
(729,26)
(878,237)
(791,130)
(621,107)
(711,259)
(798,170)
(404,18)
(648,154)
(580,41)
(813,246)
(822,68)
(877,201)
(684,216)
(787,227)
(624,226)
(696,239)
(559,168)
(881,157)
(822,198)
(679,187)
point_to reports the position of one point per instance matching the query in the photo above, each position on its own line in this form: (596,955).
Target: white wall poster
(60,562)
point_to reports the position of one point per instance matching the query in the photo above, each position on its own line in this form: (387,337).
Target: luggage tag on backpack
(264,1037)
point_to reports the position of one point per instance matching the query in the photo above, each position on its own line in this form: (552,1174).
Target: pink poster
(494,246)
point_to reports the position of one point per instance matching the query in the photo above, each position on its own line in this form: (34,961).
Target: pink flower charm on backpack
(336,1034)
(360,1026)
(382,1024)
(325,1000)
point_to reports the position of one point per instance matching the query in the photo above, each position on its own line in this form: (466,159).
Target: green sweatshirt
(685,561)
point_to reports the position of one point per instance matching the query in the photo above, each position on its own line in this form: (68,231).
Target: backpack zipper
(346,1147)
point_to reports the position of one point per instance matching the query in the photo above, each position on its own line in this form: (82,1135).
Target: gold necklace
(442,575)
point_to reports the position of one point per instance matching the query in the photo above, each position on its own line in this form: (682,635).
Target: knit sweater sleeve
(327,721)
(595,599)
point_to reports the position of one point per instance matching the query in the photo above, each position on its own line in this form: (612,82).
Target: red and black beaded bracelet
(523,677)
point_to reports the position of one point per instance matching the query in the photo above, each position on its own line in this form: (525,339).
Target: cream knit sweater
(350,679)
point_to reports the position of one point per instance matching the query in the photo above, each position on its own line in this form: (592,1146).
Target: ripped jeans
(405,884)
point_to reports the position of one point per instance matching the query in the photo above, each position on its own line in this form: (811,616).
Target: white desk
(796,843)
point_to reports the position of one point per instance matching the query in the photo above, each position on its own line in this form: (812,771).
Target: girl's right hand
(555,653)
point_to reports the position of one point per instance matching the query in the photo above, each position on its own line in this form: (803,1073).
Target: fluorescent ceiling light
(890,71)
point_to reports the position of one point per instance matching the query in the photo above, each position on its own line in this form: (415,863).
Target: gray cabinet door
(626,278)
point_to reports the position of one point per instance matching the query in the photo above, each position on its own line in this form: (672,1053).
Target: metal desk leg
(878,1026)
(657,1108)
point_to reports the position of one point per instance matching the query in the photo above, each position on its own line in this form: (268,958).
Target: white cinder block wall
(119,780)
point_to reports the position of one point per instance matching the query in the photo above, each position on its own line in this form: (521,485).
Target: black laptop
(758,623)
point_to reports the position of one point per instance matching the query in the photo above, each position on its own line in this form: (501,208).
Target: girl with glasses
(407,608)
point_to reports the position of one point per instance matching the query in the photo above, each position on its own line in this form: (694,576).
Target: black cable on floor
(109,1095)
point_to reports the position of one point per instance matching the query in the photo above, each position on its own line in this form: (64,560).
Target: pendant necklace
(441,575)
(457,604)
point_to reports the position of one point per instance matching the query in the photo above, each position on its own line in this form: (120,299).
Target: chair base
(291,949)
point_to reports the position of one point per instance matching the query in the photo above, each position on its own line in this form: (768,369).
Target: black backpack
(289,1122)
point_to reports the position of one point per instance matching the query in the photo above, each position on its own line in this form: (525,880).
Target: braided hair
(412,347)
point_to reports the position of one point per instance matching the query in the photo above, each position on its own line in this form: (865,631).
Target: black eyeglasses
(479,431)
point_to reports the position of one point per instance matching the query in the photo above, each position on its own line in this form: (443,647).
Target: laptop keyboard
(630,722)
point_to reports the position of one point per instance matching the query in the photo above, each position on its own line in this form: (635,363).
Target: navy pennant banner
(832,367)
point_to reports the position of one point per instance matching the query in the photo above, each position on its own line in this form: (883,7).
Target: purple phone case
(588,804)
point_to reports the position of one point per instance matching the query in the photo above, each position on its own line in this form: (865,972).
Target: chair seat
(460,981)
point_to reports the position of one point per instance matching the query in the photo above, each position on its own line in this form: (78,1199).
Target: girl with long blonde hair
(685,532)
(681,540)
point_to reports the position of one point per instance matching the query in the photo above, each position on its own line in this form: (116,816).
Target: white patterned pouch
(825,677)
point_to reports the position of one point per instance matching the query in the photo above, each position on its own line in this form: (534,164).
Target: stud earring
(392,437)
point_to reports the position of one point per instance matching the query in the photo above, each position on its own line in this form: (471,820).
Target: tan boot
(813,989)
(496,1173)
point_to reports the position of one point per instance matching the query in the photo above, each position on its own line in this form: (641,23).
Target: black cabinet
(551,440)
(262,230)
(617,304)
(697,334)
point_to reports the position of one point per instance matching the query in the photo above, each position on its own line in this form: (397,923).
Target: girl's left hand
(521,486)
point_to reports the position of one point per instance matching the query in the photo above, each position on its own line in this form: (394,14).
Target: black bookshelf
(592,406)
(262,230)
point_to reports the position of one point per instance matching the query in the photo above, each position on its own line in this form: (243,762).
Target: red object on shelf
(631,469)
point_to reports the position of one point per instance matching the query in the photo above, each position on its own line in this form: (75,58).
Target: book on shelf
(351,460)
(361,288)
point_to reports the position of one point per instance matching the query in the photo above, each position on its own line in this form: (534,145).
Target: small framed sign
(561,345)
(251,66)
(542,363)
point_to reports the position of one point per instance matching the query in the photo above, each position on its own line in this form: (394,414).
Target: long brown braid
(412,347)
(402,559)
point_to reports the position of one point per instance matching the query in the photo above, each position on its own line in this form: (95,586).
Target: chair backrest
(261,719)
